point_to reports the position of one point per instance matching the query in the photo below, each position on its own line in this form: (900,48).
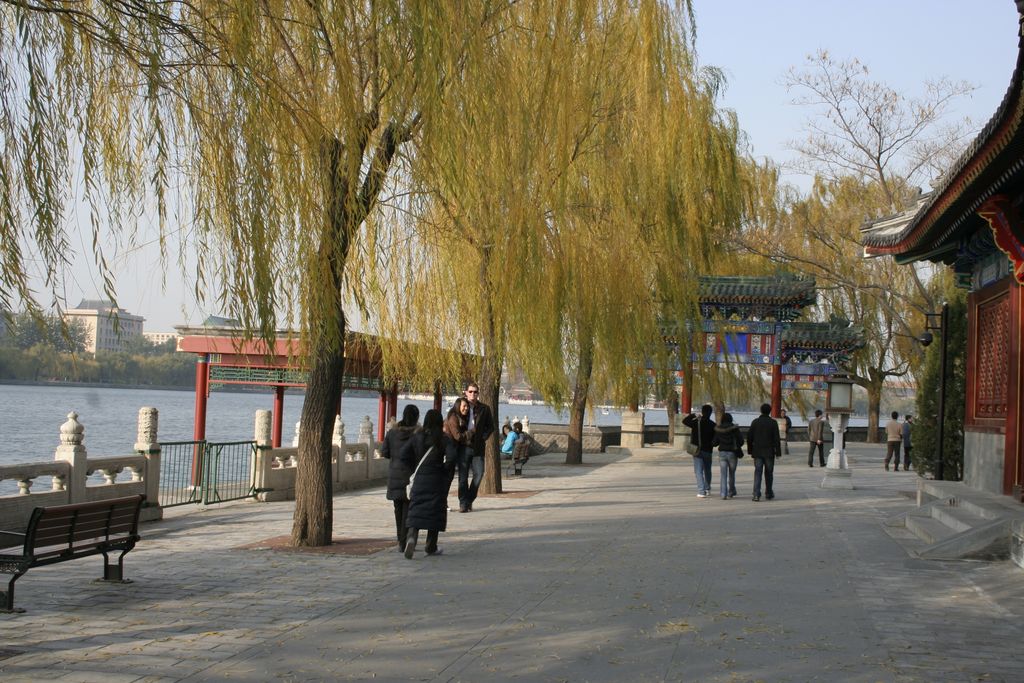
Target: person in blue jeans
(729,440)
(702,433)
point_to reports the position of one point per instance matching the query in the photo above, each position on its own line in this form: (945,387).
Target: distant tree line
(47,349)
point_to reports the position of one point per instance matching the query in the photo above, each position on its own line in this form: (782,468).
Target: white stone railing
(25,475)
(78,478)
(353,465)
(71,469)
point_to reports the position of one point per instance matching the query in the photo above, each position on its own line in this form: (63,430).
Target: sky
(902,42)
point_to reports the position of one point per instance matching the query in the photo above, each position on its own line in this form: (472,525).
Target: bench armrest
(12,533)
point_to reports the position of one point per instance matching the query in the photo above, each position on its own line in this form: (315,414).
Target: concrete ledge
(989,542)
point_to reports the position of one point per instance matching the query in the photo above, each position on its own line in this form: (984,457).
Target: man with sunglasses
(481,426)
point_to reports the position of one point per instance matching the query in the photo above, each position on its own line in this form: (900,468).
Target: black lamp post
(939,322)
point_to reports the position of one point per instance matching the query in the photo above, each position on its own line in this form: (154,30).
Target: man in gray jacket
(815,434)
(764,445)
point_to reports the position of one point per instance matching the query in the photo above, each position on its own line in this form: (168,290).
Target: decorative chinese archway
(752,321)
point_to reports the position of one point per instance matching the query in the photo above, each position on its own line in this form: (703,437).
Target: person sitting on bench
(511,436)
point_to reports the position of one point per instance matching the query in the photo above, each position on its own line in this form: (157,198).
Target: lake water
(31,416)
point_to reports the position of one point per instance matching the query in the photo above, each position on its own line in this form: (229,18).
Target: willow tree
(819,235)
(643,213)
(551,224)
(262,134)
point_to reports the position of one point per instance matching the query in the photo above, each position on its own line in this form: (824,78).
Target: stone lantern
(838,406)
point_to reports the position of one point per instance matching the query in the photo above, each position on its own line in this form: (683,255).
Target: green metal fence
(194,472)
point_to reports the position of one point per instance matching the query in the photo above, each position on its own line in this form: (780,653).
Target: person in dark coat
(729,440)
(480,427)
(398,471)
(702,433)
(428,504)
(456,428)
(764,445)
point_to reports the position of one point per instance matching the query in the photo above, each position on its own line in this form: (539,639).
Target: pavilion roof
(780,296)
(836,334)
(935,228)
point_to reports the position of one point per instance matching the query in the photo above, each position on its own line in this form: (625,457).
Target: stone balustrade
(72,470)
(353,465)
(25,475)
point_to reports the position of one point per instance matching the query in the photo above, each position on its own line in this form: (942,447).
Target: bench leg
(114,573)
(7,599)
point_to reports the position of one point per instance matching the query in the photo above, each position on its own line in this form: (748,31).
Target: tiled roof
(833,335)
(94,305)
(785,289)
(993,157)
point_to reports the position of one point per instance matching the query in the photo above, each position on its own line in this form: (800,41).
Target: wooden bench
(66,532)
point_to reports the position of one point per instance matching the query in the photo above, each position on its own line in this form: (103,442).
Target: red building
(972,223)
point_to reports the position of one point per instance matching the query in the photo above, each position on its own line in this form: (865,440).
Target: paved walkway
(613,571)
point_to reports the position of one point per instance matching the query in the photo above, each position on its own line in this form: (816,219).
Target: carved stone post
(366,435)
(339,434)
(263,435)
(147,443)
(72,451)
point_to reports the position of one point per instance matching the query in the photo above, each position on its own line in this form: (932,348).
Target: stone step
(980,503)
(928,529)
(958,518)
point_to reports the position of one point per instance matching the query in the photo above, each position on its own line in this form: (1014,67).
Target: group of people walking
(896,435)
(430,456)
(764,444)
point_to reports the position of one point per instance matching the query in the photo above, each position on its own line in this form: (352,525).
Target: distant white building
(99,318)
(159,337)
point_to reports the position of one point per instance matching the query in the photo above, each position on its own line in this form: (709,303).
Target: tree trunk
(313,520)
(312,523)
(874,391)
(490,383)
(577,410)
(672,408)
(490,379)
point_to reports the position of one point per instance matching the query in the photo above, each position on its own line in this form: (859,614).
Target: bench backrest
(63,530)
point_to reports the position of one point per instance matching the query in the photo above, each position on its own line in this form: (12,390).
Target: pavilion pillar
(275,434)
(382,411)
(199,421)
(776,389)
(393,408)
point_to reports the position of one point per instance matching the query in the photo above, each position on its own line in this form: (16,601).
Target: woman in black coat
(428,505)
(398,471)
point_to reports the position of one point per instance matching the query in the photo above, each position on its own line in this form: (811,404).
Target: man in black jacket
(764,445)
(481,426)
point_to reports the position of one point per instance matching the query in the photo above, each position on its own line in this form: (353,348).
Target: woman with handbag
(729,440)
(426,452)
